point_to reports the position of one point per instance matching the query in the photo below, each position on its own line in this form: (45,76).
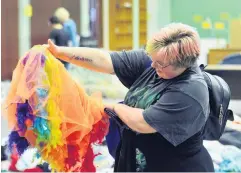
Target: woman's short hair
(177,44)
(54,20)
(62,14)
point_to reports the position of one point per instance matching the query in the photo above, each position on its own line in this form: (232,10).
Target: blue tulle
(42,93)
(42,128)
(40,123)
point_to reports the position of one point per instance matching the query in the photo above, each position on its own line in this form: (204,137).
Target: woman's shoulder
(192,78)
(194,86)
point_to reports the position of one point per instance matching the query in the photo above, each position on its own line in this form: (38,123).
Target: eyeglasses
(159,65)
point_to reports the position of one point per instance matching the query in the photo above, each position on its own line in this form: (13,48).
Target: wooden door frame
(9,38)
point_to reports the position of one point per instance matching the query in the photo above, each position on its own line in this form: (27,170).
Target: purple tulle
(42,59)
(25,59)
(20,142)
(23,113)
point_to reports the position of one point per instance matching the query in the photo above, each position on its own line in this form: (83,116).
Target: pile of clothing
(226,153)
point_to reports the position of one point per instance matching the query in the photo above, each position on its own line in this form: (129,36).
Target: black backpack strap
(202,67)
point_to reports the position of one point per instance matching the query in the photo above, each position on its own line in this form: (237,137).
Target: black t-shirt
(59,36)
(178,113)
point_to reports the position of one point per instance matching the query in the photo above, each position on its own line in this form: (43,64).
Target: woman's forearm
(133,118)
(91,58)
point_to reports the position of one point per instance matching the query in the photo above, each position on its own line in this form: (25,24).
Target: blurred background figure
(58,35)
(69,24)
(232,59)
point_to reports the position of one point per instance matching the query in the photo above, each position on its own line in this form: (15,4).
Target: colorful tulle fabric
(48,110)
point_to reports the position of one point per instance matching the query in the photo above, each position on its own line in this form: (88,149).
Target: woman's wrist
(63,52)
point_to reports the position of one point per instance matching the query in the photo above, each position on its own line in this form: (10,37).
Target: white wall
(24,30)
(158,14)
(135,23)
(105,23)
(84,16)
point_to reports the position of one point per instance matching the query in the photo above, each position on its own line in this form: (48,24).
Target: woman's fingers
(50,43)
(52,47)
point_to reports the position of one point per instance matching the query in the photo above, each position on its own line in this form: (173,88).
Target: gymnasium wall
(190,11)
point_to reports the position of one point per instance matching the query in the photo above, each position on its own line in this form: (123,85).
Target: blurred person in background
(58,35)
(165,123)
(69,25)
(234,59)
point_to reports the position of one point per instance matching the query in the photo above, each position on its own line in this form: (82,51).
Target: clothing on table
(231,137)
(3,153)
(226,158)
(178,114)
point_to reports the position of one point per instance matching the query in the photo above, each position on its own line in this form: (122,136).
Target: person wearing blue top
(58,35)
(69,25)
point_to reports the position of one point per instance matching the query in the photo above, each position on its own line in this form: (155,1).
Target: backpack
(219,98)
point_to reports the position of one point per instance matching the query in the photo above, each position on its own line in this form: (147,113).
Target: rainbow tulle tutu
(48,110)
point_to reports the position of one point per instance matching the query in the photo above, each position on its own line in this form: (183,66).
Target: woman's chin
(162,75)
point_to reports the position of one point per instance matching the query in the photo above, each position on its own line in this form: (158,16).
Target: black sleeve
(129,65)
(176,116)
(52,36)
